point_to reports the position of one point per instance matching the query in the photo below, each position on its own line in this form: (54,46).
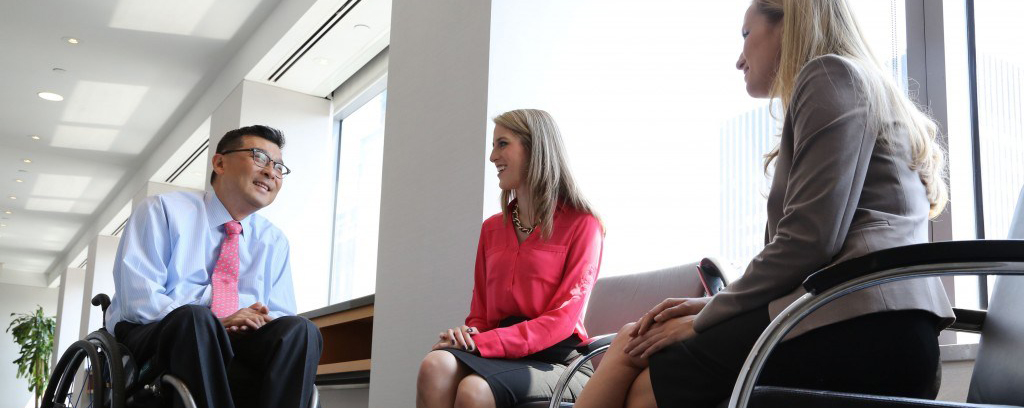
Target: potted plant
(34,333)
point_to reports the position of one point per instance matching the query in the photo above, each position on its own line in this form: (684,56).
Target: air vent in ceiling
(319,34)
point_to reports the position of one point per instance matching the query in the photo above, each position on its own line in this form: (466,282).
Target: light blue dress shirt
(168,251)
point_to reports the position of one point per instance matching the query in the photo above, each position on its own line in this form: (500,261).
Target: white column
(304,208)
(99,278)
(154,188)
(69,310)
(432,193)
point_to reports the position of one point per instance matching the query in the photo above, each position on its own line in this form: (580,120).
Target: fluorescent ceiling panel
(60,186)
(85,138)
(198,18)
(169,17)
(225,18)
(49,204)
(103,103)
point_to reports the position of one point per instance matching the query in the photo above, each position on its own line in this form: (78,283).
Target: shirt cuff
(489,344)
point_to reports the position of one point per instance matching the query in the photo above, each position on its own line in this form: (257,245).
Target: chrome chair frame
(981,257)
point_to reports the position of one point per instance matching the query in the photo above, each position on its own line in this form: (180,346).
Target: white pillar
(432,192)
(154,188)
(99,278)
(304,208)
(69,311)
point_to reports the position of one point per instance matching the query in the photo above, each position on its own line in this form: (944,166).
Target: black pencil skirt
(887,353)
(528,379)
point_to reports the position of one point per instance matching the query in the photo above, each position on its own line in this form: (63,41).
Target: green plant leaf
(33,333)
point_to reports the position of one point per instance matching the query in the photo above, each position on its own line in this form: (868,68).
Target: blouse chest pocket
(544,264)
(493,260)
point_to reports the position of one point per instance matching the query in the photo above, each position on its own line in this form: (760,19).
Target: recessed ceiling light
(361,27)
(8,212)
(34,137)
(26,160)
(322,61)
(59,70)
(3,225)
(72,40)
(13,197)
(50,96)
(19,181)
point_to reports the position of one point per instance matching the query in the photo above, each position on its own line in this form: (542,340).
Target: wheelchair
(97,371)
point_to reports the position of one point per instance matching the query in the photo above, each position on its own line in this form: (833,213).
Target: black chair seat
(780,397)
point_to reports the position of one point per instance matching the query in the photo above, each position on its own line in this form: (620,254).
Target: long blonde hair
(548,178)
(821,27)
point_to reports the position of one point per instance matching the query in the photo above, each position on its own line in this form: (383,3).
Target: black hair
(233,139)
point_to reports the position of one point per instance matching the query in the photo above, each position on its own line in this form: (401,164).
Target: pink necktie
(225,274)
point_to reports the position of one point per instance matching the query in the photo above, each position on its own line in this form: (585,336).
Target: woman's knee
(437,365)
(474,392)
(626,330)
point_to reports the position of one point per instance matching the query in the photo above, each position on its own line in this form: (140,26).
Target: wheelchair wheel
(91,373)
(113,360)
(77,379)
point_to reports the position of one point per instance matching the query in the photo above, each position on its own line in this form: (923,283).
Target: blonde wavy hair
(548,178)
(820,27)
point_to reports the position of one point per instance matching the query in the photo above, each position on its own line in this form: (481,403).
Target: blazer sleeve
(832,146)
(478,305)
(582,262)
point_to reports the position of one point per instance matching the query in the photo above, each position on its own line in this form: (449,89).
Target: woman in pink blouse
(535,267)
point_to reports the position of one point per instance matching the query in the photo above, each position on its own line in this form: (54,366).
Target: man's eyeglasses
(261,159)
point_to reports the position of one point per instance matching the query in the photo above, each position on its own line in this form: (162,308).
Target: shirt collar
(217,214)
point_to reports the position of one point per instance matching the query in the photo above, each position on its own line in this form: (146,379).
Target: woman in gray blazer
(857,169)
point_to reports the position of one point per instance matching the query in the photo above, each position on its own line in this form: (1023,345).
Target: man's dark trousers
(272,367)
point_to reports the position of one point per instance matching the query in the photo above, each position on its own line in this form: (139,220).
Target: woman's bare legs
(438,381)
(641,393)
(474,393)
(620,380)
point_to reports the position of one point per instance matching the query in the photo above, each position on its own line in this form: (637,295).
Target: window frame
(362,87)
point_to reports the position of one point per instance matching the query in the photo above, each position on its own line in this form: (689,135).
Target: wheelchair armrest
(772,397)
(949,252)
(968,320)
(595,343)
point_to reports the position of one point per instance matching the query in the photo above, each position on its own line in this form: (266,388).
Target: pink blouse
(546,281)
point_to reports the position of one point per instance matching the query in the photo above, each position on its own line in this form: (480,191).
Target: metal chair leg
(181,388)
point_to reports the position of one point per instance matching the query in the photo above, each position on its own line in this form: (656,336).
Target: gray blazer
(837,193)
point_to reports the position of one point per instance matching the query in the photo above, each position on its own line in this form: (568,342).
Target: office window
(662,136)
(996,155)
(357,205)
(1000,93)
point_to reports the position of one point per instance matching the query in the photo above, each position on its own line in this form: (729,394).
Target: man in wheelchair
(204,288)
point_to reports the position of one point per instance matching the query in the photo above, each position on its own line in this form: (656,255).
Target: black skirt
(893,353)
(531,378)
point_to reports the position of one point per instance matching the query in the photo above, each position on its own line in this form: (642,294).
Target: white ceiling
(138,69)
(145,72)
